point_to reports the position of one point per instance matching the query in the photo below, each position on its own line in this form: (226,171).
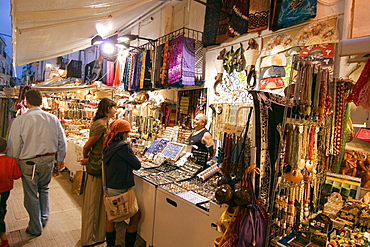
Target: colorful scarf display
(175,60)
(188,62)
(110,73)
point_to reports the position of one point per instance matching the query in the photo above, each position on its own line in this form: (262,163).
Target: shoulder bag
(94,164)
(119,207)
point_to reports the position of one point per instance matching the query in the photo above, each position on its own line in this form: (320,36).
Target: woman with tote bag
(119,161)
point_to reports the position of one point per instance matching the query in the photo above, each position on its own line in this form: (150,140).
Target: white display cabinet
(180,223)
(146,196)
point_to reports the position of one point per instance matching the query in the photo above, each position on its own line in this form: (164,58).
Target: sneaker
(28,231)
(5,243)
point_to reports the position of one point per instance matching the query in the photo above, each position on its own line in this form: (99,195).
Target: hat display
(274,71)
(271,83)
(274,60)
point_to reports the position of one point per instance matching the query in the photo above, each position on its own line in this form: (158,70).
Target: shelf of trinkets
(177,175)
(187,171)
(152,171)
(140,173)
(158,180)
(206,188)
(191,168)
(148,164)
(166,167)
(172,188)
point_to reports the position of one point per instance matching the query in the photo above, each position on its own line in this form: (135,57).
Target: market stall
(288,170)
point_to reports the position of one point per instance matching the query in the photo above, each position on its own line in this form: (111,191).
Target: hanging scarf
(174,64)
(188,62)
(211,19)
(199,58)
(158,65)
(131,73)
(142,69)
(238,24)
(148,70)
(223,24)
(360,84)
(138,58)
(126,73)
(118,73)
(104,71)
(286,13)
(110,73)
(258,15)
(166,56)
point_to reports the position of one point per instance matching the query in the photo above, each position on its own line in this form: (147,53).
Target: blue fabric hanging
(286,13)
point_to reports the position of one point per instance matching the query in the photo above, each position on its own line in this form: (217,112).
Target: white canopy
(44,29)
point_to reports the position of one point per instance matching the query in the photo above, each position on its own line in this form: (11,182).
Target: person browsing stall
(201,138)
(119,161)
(9,171)
(35,139)
(93,210)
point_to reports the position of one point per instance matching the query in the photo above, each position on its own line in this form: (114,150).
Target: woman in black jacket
(119,161)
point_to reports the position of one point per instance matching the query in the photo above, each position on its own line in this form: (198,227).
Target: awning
(44,29)
(58,85)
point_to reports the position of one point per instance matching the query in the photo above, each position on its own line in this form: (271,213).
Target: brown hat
(116,127)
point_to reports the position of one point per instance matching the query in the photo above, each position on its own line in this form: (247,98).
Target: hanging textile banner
(286,13)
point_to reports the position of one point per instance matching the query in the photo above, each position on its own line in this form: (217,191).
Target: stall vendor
(204,147)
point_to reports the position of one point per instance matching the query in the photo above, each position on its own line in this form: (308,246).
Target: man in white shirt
(36,138)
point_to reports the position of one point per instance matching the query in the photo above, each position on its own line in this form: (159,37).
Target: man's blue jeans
(36,179)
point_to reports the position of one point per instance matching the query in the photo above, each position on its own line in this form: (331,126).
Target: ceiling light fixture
(97,40)
(108,48)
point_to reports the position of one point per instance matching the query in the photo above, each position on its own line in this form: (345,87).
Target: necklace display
(303,146)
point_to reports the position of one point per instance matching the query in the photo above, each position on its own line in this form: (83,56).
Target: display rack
(187,32)
(173,150)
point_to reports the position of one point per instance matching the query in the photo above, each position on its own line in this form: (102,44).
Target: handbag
(94,164)
(122,206)
(363,134)
(226,224)
(119,207)
(79,180)
(254,228)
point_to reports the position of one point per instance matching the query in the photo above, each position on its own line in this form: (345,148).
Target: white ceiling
(44,29)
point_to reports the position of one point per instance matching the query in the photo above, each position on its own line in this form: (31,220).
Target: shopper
(201,139)
(9,171)
(93,210)
(119,161)
(35,139)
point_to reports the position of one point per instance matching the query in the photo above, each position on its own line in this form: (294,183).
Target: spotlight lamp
(108,48)
(97,40)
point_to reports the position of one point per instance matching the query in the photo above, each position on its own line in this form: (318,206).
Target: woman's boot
(111,238)
(130,239)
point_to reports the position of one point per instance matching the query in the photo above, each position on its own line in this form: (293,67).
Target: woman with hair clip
(93,210)
(119,161)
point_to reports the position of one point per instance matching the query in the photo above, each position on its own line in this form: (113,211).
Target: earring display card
(157,146)
(173,150)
